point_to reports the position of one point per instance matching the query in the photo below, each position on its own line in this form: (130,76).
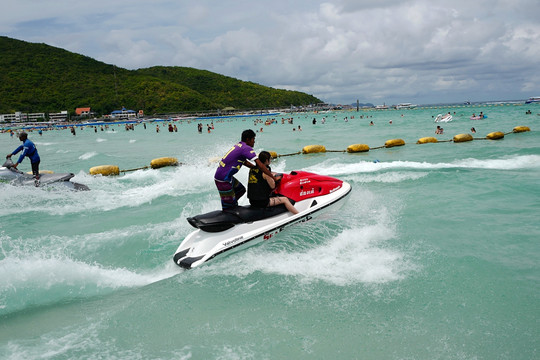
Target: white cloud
(385,51)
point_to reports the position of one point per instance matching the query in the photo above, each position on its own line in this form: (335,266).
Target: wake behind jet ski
(14,176)
(225,231)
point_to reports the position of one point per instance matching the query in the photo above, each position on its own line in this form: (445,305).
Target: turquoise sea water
(435,254)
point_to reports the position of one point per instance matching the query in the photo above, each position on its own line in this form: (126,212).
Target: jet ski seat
(221,220)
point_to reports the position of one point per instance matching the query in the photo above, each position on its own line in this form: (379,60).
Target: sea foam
(330,167)
(87,155)
(36,280)
(108,193)
(359,253)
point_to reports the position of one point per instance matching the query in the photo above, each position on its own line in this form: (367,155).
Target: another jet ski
(443,118)
(14,176)
(220,232)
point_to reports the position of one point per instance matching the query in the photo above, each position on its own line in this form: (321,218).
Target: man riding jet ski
(225,231)
(9,173)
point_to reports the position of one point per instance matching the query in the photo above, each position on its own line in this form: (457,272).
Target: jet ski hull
(201,246)
(16,177)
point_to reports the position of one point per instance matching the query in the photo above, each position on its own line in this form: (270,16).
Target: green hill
(43,78)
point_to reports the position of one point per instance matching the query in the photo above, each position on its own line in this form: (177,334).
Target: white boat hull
(201,246)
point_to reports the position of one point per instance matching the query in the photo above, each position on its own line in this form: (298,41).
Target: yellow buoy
(105,170)
(357,148)
(519,129)
(428,139)
(463,138)
(495,135)
(394,142)
(273,154)
(311,149)
(164,161)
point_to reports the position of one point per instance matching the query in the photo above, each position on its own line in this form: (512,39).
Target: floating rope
(140,168)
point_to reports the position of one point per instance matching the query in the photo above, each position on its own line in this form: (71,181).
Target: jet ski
(14,176)
(443,118)
(225,231)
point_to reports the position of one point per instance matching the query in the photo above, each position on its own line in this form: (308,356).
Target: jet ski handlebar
(9,165)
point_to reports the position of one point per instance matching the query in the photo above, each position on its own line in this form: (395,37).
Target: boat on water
(405,106)
(11,175)
(381,107)
(443,118)
(225,231)
(534,99)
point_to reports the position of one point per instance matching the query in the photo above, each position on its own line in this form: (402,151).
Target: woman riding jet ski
(224,231)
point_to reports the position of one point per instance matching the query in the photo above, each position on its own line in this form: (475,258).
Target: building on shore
(20,117)
(123,114)
(83,111)
(59,117)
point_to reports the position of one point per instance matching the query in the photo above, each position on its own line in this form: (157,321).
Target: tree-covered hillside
(42,78)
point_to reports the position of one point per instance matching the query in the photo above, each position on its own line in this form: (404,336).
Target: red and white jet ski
(222,232)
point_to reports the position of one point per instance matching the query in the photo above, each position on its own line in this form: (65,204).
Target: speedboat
(225,231)
(14,176)
(405,106)
(534,99)
(443,118)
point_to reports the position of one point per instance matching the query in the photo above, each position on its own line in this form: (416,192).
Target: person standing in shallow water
(229,188)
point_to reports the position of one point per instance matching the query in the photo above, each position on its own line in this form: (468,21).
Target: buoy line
(107,170)
(313,149)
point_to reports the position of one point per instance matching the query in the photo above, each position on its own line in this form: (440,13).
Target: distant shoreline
(102,122)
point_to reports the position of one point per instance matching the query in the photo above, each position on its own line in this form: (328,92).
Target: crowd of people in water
(172,125)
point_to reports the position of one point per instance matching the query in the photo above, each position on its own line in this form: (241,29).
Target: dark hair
(248,134)
(264,155)
(23,136)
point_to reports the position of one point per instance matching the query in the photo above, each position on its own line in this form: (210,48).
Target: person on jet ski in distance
(260,187)
(29,149)
(230,189)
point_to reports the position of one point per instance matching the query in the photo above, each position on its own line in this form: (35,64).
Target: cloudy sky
(378,51)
